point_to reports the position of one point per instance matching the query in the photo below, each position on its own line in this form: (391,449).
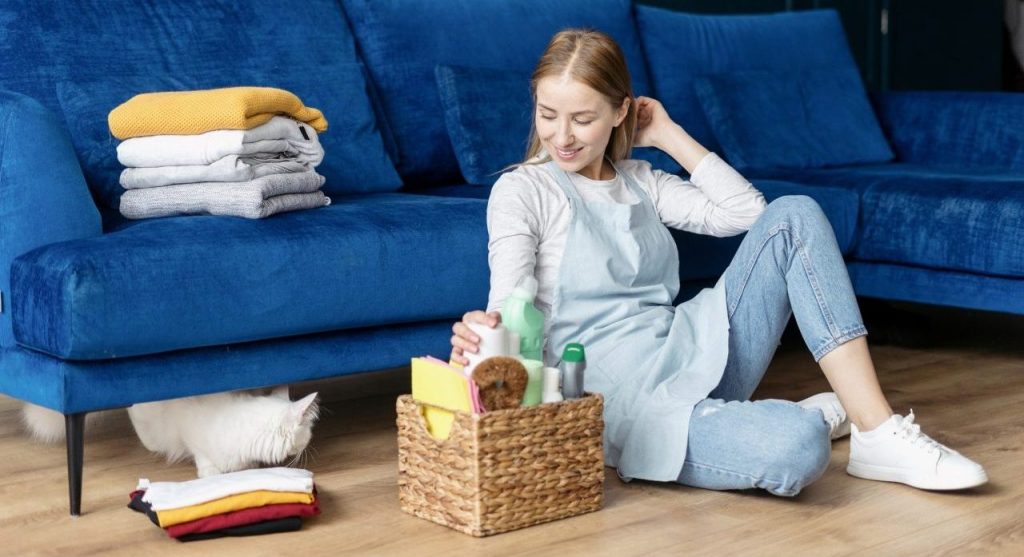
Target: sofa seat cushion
(959,223)
(929,216)
(403,40)
(183,282)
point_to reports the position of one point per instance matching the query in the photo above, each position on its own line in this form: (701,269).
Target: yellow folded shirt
(231,503)
(195,112)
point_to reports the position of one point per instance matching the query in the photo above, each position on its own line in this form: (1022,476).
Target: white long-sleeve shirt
(528,216)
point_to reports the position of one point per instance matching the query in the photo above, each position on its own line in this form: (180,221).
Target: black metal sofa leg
(74,427)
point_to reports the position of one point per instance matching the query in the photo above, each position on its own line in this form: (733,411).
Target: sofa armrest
(43,195)
(964,129)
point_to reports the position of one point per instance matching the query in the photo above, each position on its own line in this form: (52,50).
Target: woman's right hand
(465,340)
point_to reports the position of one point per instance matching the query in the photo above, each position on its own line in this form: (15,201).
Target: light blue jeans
(788,264)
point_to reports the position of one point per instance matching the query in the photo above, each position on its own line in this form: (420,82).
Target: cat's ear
(281,392)
(306,410)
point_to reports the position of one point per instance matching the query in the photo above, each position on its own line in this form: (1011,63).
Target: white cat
(47,426)
(222,432)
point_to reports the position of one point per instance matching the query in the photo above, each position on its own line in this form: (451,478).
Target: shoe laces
(911,432)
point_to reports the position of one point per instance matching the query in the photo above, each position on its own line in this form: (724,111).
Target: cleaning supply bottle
(534,393)
(520,316)
(574,362)
(552,392)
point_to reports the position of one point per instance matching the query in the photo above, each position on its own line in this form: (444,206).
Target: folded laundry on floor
(231,503)
(255,529)
(279,136)
(173,495)
(268,519)
(195,112)
(251,502)
(258,198)
(241,151)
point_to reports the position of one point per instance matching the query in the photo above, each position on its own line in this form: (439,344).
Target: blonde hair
(594,59)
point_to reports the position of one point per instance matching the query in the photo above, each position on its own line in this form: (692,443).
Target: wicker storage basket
(503,470)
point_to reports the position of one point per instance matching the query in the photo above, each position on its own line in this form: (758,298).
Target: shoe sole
(897,475)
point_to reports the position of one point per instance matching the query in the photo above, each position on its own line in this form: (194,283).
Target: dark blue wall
(928,44)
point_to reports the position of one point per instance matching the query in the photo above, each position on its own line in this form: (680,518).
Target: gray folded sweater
(255,199)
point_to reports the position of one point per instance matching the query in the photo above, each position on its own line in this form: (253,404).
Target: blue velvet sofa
(97,312)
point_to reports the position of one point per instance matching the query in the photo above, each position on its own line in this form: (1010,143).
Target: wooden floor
(967,388)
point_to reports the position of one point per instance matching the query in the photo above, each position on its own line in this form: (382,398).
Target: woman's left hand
(652,123)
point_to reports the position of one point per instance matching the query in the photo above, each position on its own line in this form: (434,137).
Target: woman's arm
(656,129)
(513,229)
(717,200)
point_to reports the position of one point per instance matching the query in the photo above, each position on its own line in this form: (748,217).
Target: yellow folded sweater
(195,112)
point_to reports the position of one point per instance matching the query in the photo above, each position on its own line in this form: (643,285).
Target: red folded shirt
(245,516)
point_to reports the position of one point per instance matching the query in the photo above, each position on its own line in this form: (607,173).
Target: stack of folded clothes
(238,151)
(247,503)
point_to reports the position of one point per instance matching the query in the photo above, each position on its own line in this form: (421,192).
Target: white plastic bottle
(552,393)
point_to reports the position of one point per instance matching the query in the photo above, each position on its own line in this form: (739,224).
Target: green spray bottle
(520,316)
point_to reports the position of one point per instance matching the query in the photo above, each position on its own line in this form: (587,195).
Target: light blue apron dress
(651,360)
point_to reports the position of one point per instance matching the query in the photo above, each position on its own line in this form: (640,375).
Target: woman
(590,225)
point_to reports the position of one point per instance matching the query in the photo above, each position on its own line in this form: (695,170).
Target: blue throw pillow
(403,40)
(681,47)
(354,156)
(792,120)
(488,113)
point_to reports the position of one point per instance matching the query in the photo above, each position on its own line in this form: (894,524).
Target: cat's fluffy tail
(47,425)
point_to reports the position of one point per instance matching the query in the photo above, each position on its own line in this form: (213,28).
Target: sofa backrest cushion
(488,113)
(477,103)
(792,119)
(966,130)
(403,40)
(43,196)
(681,47)
(48,42)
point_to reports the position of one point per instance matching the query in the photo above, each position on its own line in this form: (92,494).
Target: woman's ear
(623,110)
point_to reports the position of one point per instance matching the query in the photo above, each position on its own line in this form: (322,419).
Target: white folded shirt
(280,136)
(164,496)
(232,168)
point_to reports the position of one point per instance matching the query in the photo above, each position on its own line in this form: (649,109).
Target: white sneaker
(897,451)
(833,412)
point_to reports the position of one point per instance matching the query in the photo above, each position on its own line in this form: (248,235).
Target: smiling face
(574,124)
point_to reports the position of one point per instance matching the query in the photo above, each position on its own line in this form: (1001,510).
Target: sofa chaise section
(941,224)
